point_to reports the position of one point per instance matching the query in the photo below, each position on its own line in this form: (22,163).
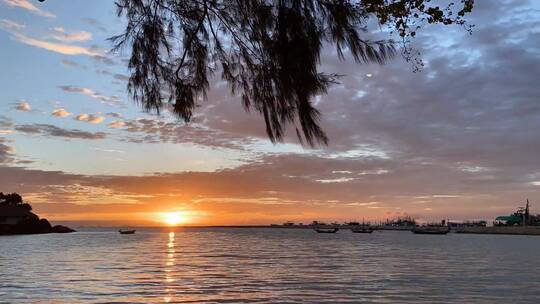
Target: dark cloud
(6,154)
(473,108)
(114,114)
(50,130)
(149,130)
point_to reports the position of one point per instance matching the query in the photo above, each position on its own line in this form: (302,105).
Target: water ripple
(267,265)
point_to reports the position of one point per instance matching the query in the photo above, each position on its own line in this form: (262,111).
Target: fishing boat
(126,231)
(430,230)
(326,229)
(361,229)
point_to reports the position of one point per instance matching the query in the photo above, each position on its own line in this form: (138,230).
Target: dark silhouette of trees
(267,50)
(30,223)
(14,199)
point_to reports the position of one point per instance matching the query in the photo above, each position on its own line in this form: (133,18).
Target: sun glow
(173,218)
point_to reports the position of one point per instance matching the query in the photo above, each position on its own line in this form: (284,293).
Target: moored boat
(326,230)
(126,231)
(430,230)
(362,229)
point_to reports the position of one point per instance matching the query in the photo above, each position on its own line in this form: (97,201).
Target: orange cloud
(91,118)
(60,113)
(66,49)
(61,34)
(116,124)
(24,106)
(27,5)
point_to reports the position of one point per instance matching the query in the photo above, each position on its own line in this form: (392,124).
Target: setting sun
(173,218)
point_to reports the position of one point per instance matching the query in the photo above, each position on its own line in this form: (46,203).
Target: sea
(267,265)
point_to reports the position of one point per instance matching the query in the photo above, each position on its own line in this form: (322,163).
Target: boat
(326,230)
(126,231)
(361,229)
(430,230)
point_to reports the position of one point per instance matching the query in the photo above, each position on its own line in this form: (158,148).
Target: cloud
(144,130)
(91,118)
(121,77)
(6,152)
(287,182)
(114,114)
(27,5)
(111,100)
(60,34)
(103,59)
(66,49)
(54,131)
(116,124)
(95,23)
(5,122)
(109,150)
(70,63)
(17,32)
(336,180)
(364,204)
(10,25)
(61,112)
(24,106)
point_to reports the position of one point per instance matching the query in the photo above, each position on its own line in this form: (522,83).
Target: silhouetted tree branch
(267,50)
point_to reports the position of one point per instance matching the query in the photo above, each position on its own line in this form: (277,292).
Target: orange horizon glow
(174,218)
(178,214)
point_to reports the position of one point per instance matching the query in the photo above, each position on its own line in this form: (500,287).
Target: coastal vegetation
(16,218)
(14,199)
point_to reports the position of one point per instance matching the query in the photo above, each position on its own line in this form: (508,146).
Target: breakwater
(519,230)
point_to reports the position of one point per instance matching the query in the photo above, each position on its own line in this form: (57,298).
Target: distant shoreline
(191,226)
(276,226)
(516,230)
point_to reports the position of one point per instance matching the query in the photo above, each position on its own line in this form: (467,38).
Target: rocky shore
(33,226)
(16,218)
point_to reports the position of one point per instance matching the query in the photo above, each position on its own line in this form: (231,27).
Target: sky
(457,140)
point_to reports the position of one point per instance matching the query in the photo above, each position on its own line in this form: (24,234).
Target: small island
(16,217)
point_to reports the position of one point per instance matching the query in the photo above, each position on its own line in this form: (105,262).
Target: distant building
(12,215)
(508,220)
(522,217)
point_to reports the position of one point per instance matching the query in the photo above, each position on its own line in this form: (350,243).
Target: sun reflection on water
(169,264)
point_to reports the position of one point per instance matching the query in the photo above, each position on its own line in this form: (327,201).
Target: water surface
(268,265)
